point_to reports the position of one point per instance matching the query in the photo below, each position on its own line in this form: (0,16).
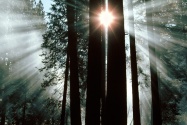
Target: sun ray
(106,18)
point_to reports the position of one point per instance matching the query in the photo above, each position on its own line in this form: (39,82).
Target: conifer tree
(135,91)
(17,18)
(156,111)
(74,81)
(94,65)
(62,120)
(116,74)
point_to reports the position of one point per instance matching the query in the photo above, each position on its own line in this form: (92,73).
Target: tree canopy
(65,67)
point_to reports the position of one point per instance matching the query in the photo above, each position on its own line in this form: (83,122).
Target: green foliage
(17,92)
(55,44)
(172,56)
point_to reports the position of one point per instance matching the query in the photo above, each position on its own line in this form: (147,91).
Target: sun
(106,18)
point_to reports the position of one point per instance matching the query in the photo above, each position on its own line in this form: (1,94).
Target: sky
(46,4)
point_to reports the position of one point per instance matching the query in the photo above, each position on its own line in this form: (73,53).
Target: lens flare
(106,18)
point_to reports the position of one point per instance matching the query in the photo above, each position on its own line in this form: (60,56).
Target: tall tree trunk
(62,122)
(3,117)
(3,108)
(135,92)
(116,77)
(94,66)
(67,118)
(156,110)
(17,121)
(74,81)
(24,108)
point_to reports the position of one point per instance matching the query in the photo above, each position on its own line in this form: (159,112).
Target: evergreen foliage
(19,99)
(77,87)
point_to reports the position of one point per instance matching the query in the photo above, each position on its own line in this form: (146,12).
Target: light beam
(106,18)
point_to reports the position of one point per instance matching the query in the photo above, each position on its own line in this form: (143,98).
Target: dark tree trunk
(94,66)
(52,121)
(2,108)
(62,122)
(135,92)
(156,111)
(74,81)
(116,75)
(3,117)
(24,108)
(67,118)
(17,121)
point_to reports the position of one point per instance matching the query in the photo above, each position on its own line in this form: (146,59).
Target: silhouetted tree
(94,65)
(74,81)
(135,91)
(156,111)
(56,39)
(62,121)
(116,75)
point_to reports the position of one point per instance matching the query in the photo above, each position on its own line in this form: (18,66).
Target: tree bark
(135,92)
(156,110)
(74,81)
(3,108)
(24,110)
(62,122)
(116,68)
(94,65)
(3,118)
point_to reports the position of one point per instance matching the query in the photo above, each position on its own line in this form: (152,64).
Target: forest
(93,62)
